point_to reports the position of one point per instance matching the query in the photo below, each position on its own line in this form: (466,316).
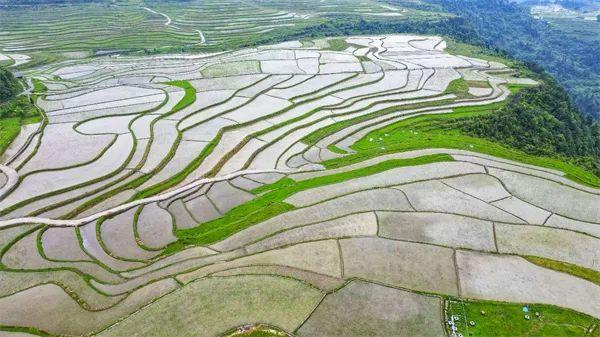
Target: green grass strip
(436,131)
(9,130)
(38,86)
(459,87)
(188,98)
(456,87)
(321,133)
(430,131)
(17,112)
(270,202)
(28,331)
(572,269)
(337,45)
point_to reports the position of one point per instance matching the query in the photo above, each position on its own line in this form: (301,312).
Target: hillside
(566,49)
(328,186)
(298,168)
(503,25)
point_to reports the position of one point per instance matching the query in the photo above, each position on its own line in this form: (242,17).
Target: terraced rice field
(79,29)
(86,26)
(202,195)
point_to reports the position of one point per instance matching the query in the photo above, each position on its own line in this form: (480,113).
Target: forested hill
(505,25)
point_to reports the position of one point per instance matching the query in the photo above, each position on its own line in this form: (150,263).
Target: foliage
(13,114)
(20,107)
(505,25)
(9,85)
(38,86)
(507,320)
(332,128)
(258,331)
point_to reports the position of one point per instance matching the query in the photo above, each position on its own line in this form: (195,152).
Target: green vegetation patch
(232,69)
(337,44)
(403,136)
(9,130)
(14,110)
(494,319)
(572,269)
(188,99)
(508,26)
(449,131)
(9,85)
(541,121)
(362,58)
(270,202)
(13,114)
(38,86)
(458,87)
(321,133)
(20,107)
(7,63)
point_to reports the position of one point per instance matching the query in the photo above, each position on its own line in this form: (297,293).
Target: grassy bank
(270,202)
(497,319)
(443,131)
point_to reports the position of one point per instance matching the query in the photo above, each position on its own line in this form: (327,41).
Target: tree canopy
(508,26)
(9,85)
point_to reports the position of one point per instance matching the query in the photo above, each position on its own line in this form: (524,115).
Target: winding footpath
(119,209)
(169,21)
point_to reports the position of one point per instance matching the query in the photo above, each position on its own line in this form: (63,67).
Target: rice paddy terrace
(286,190)
(105,26)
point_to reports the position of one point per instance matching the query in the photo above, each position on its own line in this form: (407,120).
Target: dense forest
(9,86)
(505,25)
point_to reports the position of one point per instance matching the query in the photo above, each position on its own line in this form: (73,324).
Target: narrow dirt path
(123,207)
(169,21)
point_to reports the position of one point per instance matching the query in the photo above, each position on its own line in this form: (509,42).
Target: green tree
(9,85)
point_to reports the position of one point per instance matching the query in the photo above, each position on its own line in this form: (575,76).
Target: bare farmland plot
(362,308)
